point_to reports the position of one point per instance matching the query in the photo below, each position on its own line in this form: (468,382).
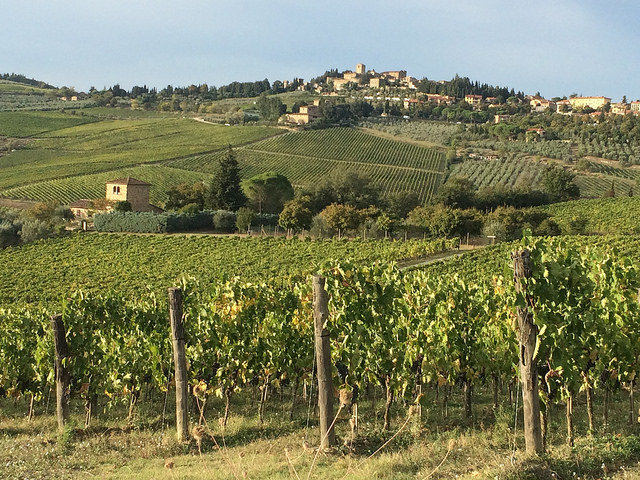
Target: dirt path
(437,258)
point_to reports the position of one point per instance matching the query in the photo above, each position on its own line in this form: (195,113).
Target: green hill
(76,145)
(306,157)
(70,156)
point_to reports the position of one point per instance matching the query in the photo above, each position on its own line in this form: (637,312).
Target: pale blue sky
(557,47)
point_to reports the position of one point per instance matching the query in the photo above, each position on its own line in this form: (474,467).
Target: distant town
(397,86)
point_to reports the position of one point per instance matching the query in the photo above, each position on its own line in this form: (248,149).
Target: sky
(555,47)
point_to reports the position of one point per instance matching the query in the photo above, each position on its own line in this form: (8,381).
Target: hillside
(62,157)
(306,157)
(510,163)
(27,97)
(60,154)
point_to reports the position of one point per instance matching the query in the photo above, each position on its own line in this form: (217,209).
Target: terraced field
(306,157)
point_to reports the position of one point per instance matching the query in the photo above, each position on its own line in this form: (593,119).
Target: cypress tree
(225,192)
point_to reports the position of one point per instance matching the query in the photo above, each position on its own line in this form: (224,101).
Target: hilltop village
(399,88)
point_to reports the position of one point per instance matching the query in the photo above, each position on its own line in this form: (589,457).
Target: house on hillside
(501,118)
(306,114)
(539,104)
(578,103)
(474,100)
(134,191)
(82,208)
(620,109)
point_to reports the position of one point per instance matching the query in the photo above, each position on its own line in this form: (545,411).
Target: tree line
(347,202)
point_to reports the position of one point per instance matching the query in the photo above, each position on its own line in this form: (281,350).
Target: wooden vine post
(527,339)
(323,362)
(62,371)
(180,362)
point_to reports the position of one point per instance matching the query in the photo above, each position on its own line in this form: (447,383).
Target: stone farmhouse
(134,191)
(129,189)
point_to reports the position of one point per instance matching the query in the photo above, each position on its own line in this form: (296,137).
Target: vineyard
(438,133)
(112,144)
(599,185)
(46,271)
(504,172)
(29,124)
(306,157)
(604,215)
(88,150)
(416,337)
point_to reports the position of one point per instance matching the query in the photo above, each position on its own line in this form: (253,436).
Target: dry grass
(427,448)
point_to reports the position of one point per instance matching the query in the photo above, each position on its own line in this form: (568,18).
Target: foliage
(441,220)
(399,204)
(122,206)
(296,215)
(559,184)
(341,217)
(184,194)
(270,107)
(224,221)
(224,190)
(244,217)
(457,192)
(267,192)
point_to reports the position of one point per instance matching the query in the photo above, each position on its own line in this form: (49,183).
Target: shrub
(190,208)
(244,217)
(122,206)
(224,221)
(36,229)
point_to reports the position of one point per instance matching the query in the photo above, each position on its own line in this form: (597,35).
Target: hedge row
(147,222)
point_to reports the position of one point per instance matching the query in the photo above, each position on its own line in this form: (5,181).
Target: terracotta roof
(128,181)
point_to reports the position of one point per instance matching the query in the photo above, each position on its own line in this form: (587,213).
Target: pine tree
(225,192)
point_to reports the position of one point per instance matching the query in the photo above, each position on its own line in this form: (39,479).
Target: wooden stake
(180,361)
(527,338)
(62,371)
(323,361)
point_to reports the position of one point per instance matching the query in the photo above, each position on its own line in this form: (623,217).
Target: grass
(432,447)
(29,124)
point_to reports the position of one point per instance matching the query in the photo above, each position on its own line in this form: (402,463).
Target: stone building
(134,191)
(307,114)
(578,103)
